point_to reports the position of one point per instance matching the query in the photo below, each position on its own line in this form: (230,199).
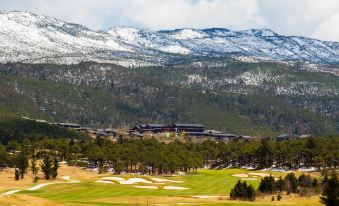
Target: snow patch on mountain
(30,38)
(184,34)
(175,49)
(125,33)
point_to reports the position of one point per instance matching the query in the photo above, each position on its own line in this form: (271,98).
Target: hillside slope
(102,95)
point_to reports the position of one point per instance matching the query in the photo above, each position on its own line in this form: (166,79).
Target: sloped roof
(187,125)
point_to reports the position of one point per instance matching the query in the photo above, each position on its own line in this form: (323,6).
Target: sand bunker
(240,175)
(36,187)
(165,180)
(66,177)
(11,192)
(131,181)
(250,178)
(175,188)
(258,174)
(104,181)
(205,196)
(113,178)
(147,187)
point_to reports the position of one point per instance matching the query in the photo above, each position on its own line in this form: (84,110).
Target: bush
(305,180)
(242,191)
(280,184)
(267,185)
(36,179)
(291,183)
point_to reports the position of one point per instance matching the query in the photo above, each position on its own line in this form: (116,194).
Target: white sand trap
(113,178)
(165,180)
(258,174)
(205,196)
(249,178)
(175,188)
(66,177)
(104,181)
(36,187)
(11,192)
(147,187)
(240,175)
(131,181)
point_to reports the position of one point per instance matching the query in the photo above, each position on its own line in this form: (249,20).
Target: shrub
(267,185)
(280,184)
(242,191)
(36,179)
(305,180)
(291,183)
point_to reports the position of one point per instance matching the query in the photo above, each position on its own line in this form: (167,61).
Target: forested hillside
(15,128)
(234,97)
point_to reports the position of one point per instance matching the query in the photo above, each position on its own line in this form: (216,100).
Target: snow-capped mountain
(31,38)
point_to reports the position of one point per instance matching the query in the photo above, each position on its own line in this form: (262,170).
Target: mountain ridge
(31,38)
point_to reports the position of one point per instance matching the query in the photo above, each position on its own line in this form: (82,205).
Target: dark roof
(187,125)
(225,135)
(158,125)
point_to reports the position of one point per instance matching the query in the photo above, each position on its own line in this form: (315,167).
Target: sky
(311,18)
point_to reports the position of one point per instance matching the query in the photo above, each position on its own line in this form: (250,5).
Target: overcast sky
(312,18)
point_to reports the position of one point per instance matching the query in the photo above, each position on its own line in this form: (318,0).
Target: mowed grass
(206,182)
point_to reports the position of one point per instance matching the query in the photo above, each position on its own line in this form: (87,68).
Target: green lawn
(206,182)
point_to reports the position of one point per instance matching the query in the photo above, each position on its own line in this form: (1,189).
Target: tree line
(150,156)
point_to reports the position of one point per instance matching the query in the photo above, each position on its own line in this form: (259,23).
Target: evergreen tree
(280,184)
(3,157)
(267,185)
(47,167)
(242,191)
(17,174)
(55,168)
(330,196)
(265,153)
(291,183)
(34,166)
(22,163)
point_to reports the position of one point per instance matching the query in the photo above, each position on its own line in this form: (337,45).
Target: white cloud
(312,18)
(166,14)
(155,14)
(301,17)
(328,29)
